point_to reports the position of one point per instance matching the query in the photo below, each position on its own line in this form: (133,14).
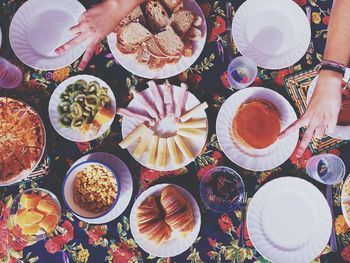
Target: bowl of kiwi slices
(82,108)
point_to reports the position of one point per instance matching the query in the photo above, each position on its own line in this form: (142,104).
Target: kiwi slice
(104,101)
(93,87)
(64,97)
(69,88)
(91,100)
(65,120)
(77,123)
(76,110)
(63,107)
(80,98)
(80,85)
(102,92)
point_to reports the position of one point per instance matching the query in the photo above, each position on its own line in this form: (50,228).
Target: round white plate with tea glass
(178,242)
(166,128)
(247,157)
(130,63)
(41,26)
(125,180)
(68,129)
(273,33)
(289,221)
(342,131)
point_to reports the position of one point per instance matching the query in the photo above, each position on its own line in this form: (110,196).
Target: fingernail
(80,69)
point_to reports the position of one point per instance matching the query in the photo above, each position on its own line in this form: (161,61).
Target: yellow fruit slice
(47,206)
(30,229)
(29,200)
(49,223)
(28,218)
(20,216)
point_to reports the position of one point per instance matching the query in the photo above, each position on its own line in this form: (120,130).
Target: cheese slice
(191,133)
(152,150)
(197,109)
(174,155)
(182,146)
(161,153)
(141,147)
(193,124)
(139,131)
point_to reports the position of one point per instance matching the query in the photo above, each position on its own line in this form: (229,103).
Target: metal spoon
(241,241)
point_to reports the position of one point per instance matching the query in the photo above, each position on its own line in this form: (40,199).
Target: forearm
(123,7)
(338,39)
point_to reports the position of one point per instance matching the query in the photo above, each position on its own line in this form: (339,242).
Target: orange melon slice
(29,200)
(30,230)
(47,206)
(49,223)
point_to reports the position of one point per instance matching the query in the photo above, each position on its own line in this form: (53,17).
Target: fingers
(332,124)
(293,127)
(320,131)
(71,43)
(306,139)
(88,55)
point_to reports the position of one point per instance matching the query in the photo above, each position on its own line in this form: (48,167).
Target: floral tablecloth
(76,241)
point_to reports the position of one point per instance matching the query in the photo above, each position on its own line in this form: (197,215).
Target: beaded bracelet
(332,65)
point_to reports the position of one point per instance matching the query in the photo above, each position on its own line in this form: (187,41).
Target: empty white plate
(129,62)
(70,133)
(289,221)
(125,179)
(273,33)
(178,242)
(256,160)
(41,26)
(194,144)
(340,132)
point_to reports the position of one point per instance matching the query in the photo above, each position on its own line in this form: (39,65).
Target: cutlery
(241,241)
(310,49)
(228,31)
(329,197)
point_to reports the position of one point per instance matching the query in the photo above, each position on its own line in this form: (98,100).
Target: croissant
(149,210)
(178,212)
(157,231)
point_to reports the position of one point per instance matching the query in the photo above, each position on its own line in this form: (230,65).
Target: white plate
(130,63)
(177,243)
(340,132)
(260,160)
(41,26)
(126,185)
(69,133)
(0,37)
(345,201)
(194,144)
(289,221)
(273,33)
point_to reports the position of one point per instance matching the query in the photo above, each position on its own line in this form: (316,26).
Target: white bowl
(68,196)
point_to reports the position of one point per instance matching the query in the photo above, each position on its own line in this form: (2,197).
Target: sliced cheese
(182,146)
(173,151)
(141,147)
(152,150)
(191,133)
(193,124)
(161,153)
(197,109)
(139,131)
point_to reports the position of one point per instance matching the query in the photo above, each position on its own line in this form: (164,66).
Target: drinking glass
(241,72)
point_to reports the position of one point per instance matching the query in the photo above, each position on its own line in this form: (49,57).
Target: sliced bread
(135,14)
(169,42)
(157,17)
(171,4)
(156,63)
(130,37)
(154,50)
(182,20)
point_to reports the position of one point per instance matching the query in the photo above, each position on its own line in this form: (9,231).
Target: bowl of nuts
(91,189)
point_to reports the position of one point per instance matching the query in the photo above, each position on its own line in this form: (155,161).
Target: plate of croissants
(165,220)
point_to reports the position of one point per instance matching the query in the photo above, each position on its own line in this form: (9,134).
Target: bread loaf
(135,14)
(157,17)
(181,21)
(169,42)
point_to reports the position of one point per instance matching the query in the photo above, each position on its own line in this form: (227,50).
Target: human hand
(94,25)
(322,112)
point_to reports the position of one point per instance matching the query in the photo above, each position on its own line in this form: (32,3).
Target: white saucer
(260,160)
(289,221)
(177,243)
(340,132)
(126,184)
(41,26)
(273,33)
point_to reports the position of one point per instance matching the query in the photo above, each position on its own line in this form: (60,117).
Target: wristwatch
(332,65)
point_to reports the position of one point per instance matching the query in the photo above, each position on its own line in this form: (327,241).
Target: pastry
(256,124)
